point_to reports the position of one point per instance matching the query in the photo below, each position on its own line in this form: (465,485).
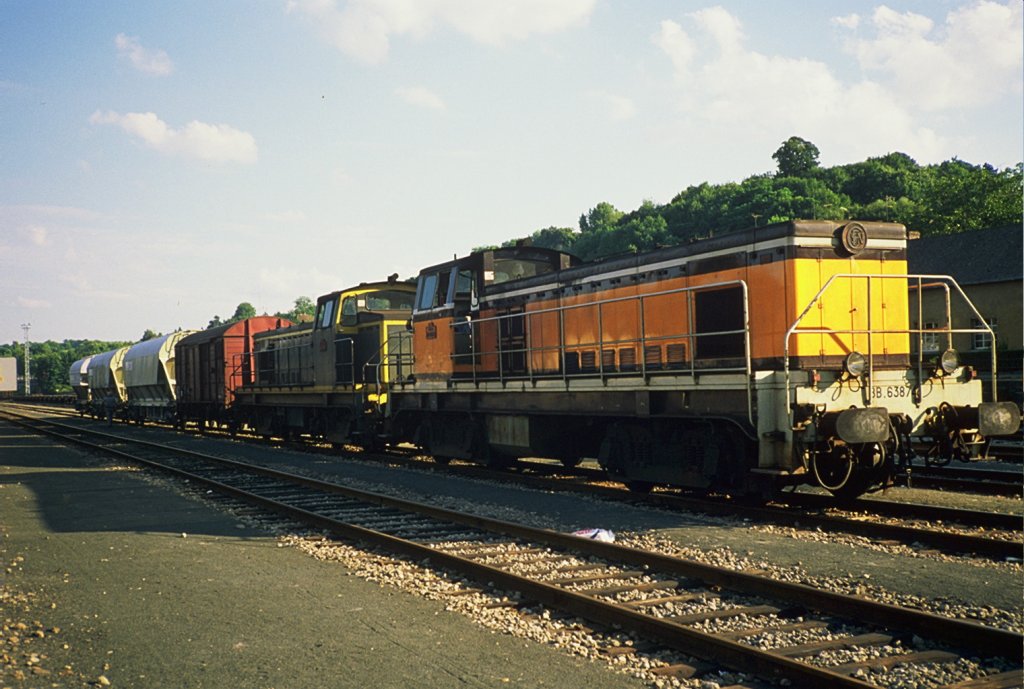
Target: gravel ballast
(108,580)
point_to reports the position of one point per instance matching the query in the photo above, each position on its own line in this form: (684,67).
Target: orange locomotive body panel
(433,342)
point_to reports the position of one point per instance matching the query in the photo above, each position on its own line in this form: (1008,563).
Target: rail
(935,282)
(517,361)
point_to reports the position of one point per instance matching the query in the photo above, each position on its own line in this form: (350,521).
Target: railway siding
(313,507)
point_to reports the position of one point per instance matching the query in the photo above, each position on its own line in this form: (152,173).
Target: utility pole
(28,360)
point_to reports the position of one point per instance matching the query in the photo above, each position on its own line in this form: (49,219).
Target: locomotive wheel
(498,460)
(570,462)
(834,469)
(642,487)
(840,473)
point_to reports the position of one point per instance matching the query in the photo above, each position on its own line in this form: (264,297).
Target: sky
(162,162)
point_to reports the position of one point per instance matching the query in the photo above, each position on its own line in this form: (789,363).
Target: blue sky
(161,162)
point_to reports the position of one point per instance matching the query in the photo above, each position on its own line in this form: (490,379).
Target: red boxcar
(211,364)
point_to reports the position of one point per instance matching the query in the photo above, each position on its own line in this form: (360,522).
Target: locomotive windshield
(506,269)
(384,300)
(388,300)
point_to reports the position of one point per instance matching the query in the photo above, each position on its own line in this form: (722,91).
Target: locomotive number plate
(888,392)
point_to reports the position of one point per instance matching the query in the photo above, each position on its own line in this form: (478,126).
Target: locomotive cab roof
(842,237)
(509,263)
(376,299)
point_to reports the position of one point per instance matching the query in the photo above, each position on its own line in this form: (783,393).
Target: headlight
(949,361)
(855,363)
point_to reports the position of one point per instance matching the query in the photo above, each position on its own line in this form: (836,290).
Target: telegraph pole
(28,360)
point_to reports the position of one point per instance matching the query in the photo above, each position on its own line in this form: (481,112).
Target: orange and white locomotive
(778,355)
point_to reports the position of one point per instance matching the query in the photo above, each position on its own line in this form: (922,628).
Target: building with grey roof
(989,266)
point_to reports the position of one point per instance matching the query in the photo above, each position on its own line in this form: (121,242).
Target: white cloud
(723,27)
(29,303)
(721,82)
(291,217)
(617,108)
(211,142)
(972,60)
(677,44)
(420,97)
(155,62)
(850,21)
(363,29)
(340,177)
(38,235)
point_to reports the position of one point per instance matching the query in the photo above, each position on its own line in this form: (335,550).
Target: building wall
(1001,301)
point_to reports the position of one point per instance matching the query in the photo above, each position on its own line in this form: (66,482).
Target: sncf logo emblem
(431,331)
(323,345)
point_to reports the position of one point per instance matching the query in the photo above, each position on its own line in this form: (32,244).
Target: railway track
(954,530)
(969,479)
(987,534)
(717,617)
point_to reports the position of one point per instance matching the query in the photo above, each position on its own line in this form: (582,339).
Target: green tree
(597,232)
(243,311)
(302,311)
(557,238)
(895,175)
(960,196)
(149,335)
(796,157)
(601,217)
(51,361)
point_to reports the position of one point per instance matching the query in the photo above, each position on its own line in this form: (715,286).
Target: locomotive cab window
(465,289)
(433,290)
(373,302)
(427,287)
(506,269)
(718,312)
(389,300)
(325,314)
(349,311)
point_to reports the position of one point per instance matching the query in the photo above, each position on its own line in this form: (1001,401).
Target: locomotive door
(512,341)
(465,308)
(324,341)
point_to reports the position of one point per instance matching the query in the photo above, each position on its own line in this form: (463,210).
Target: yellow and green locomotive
(778,355)
(328,378)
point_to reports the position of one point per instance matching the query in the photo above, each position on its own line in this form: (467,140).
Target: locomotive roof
(814,231)
(372,286)
(527,252)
